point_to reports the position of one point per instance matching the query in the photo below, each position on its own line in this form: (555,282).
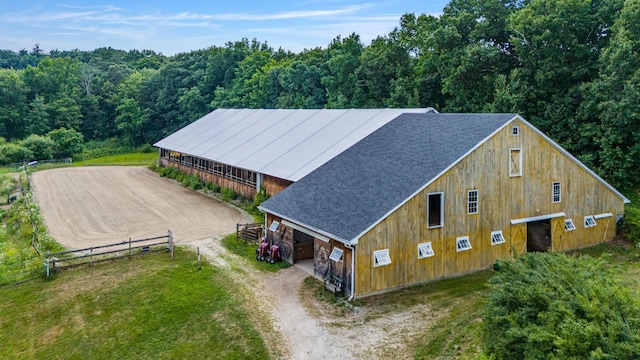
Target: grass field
(150,307)
(153,308)
(143,159)
(138,158)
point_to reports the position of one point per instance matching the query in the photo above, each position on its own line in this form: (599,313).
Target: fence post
(91,256)
(170,240)
(47,263)
(199,266)
(129,248)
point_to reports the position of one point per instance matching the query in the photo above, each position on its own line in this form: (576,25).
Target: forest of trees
(571,67)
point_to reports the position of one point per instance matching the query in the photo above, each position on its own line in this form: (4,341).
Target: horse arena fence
(66,259)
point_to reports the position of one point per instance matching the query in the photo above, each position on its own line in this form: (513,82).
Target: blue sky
(172,27)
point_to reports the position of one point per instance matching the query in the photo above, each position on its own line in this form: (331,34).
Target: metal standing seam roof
(284,143)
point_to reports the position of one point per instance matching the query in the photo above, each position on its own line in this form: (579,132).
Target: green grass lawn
(149,307)
(134,159)
(144,159)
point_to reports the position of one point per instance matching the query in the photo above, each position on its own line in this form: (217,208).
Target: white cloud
(311,23)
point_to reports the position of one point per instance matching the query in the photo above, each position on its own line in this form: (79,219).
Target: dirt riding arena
(88,206)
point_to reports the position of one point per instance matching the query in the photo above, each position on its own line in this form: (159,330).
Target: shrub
(100,148)
(154,165)
(68,142)
(228,194)
(212,187)
(631,224)
(552,306)
(174,173)
(7,185)
(42,147)
(147,148)
(185,179)
(195,183)
(14,153)
(258,199)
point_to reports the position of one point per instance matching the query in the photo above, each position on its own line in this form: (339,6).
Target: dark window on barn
(472,202)
(435,210)
(555,189)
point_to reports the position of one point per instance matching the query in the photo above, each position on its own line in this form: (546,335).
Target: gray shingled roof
(357,188)
(285,143)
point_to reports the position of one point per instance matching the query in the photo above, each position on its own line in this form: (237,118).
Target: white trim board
(537,218)
(602,216)
(305,230)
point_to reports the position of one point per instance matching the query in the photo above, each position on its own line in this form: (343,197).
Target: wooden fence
(249,232)
(66,259)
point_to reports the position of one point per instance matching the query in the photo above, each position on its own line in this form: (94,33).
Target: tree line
(571,67)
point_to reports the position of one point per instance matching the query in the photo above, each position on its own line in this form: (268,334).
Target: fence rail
(62,260)
(249,232)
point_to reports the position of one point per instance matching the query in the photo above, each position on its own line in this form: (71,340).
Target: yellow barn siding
(501,199)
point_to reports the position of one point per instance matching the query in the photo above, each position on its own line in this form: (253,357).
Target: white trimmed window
(589,221)
(336,254)
(381,257)
(555,190)
(462,243)
(274,226)
(515,162)
(515,130)
(425,250)
(497,238)
(472,202)
(568,225)
(435,210)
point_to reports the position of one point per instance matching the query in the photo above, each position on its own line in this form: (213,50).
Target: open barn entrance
(539,236)
(302,246)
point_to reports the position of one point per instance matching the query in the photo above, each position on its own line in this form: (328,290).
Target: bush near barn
(554,306)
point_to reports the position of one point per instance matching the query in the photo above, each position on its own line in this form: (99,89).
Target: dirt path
(297,326)
(96,205)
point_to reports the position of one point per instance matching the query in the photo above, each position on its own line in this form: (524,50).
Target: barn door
(557,234)
(302,246)
(519,238)
(539,236)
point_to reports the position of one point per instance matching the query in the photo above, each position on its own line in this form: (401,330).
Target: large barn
(429,196)
(246,149)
